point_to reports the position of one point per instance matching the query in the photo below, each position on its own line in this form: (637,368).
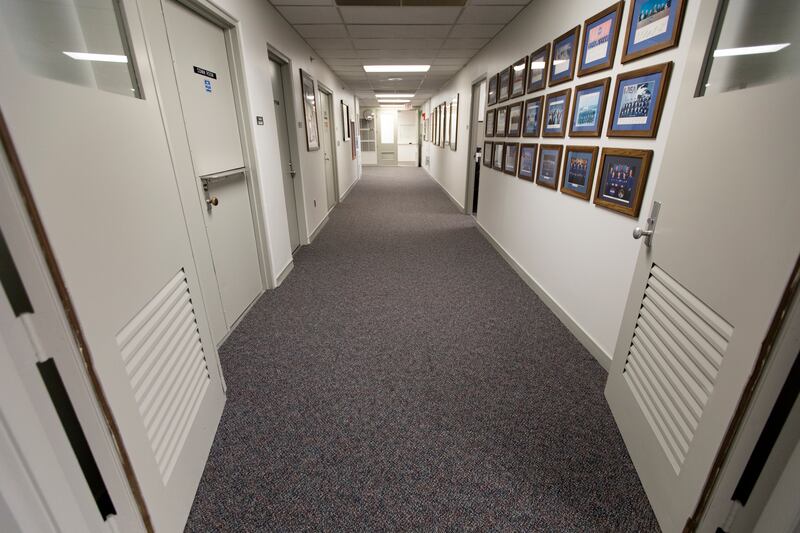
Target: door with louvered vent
(704,294)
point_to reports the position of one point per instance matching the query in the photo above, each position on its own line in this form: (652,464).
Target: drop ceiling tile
(330,44)
(499,2)
(402,57)
(449,61)
(337,54)
(475,30)
(465,54)
(302,2)
(310,14)
(465,44)
(399,31)
(322,31)
(488,14)
(344,62)
(397,44)
(439,69)
(400,15)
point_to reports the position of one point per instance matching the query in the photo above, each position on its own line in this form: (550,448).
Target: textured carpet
(405,378)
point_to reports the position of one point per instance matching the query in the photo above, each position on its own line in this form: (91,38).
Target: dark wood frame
(666,71)
(487,154)
(544,50)
(512,172)
(487,121)
(305,76)
(538,131)
(433,127)
(576,31)
(673,41)
(497,121)
(489,100)
(509,133)
(502,156)
(346,133)
(514,75)
(606,84)
(443,123)
(501,97)
(522,146)
(612,49)
(589,180)
(542,148)
(454,134)
(563,132)
(646,156)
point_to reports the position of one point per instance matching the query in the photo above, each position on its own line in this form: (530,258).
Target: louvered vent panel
(164,359)
(673,361)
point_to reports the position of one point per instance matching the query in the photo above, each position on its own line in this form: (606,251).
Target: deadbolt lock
(212,201)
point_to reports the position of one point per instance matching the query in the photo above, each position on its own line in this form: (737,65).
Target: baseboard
(452,198)
(320,226)
(284,274)
(584,338)
(349,189)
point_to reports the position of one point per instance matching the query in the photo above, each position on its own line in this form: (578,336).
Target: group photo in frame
(488,148)
(519,75)
(497,156)
(653,26)
(514,120)
(527,161)
(491,90)
(600,36)
(547,171)
(589,108)
(622,180)
(538,67)
(346,134)
(309,111)
(488,126)
(504,85)
(532,117)
(564,57)
(510,154)
(577,176)
(638,102)
(556,111)
(501,121)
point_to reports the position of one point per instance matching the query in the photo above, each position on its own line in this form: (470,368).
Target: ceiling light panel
(396,68)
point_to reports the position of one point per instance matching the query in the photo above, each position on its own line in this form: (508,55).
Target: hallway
(404,377)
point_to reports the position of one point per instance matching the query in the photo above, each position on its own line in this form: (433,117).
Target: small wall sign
(204,72)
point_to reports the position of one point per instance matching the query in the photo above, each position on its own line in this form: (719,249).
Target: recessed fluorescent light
(394,79)
(108,58)
(397,95)
(393,101)
(750,50)
(397,68)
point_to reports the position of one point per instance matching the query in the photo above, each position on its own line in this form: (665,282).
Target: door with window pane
(387,137)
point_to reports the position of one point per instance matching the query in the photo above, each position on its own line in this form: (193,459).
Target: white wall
(262,27)
(581,255)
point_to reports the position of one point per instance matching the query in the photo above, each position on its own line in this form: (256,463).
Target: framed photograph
(565,53)
(497,157)
(549,165)
(638,102)
(489,123)
(578,174)
(514,120)
(434,125)
(504,84)
(510,155)
(354,143)
(527,161)
(519,74)
(556,109)
(443,124)
(488,148)
(491,90)
(501,121)
(454,122)
(623,178)
(589,108)
(600,36)
(345,121)
(532,117)
(309,110)
(538,67)
(653,26)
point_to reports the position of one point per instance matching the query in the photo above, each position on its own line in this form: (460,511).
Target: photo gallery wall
(550,112)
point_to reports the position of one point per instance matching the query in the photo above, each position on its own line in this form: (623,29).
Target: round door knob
(638,233)
(212,200)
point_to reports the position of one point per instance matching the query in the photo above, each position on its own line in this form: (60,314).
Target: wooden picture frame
(548,168)
(454,122)
(511,150)
(640,39)
(309,95)
(589,108)
(488,151)
(346,134)
(491,90)
(448,111)
(556,114)
(538,69)
(565,52)
(497,158)
(443,126)
(528,153)
(488,124)
(514,124)
(600,37)
(577,174)
(532,116)
(623,179)
(504,85)
(639,102)
(353,142)
(519,77)
(501,121)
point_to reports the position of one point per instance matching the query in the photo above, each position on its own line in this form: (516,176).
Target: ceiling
(348,34)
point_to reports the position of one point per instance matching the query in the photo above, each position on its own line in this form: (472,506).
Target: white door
(407,138)
(200,57)
(287,170)
(96,159)
(387,139)
(725,242)
(328,135)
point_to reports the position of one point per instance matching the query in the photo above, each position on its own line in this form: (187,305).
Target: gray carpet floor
(405,378)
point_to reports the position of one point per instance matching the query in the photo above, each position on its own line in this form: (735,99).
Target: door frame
(334,140)
(471,137)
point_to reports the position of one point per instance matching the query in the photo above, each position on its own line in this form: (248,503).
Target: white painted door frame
(475,121)
(327,94)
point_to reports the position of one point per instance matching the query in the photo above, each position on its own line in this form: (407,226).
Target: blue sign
(208,85)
